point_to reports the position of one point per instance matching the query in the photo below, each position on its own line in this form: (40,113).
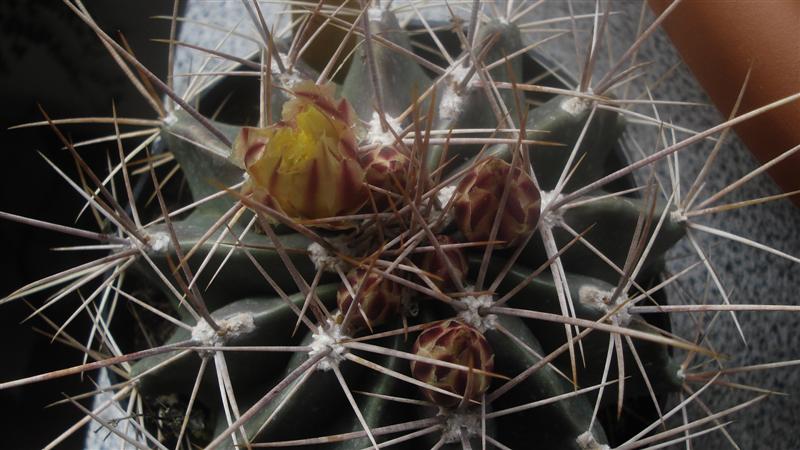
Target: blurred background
(49,56)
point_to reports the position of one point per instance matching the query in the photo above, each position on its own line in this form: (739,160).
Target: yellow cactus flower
(305,165)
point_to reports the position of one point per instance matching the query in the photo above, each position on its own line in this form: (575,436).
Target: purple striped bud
(454,342)
(434,263)
(382,166)
(379,299)
(478,199)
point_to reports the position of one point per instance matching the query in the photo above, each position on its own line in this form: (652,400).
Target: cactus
(411,257)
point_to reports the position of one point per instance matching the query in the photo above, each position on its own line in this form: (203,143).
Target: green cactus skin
(401,76)
(558,424)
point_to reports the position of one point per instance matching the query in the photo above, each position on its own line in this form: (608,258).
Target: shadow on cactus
(444,249)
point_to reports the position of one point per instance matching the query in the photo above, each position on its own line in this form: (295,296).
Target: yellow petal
(306,163)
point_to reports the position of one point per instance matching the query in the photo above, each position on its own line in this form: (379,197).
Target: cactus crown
(415,258)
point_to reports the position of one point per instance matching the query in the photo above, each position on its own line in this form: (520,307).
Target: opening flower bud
(378,299)
(478,199)
(454,342)
(305,165)
(434,263)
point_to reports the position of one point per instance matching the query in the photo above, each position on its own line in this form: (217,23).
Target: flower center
(298,144)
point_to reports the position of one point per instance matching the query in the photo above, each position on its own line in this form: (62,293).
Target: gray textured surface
(750,275)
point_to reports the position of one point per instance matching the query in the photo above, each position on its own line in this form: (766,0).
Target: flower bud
(454,342)
(305,165)
(379,299)
(433,262)
(382,166)
(478,199)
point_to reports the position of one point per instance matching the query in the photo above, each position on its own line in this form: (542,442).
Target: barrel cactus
(422,238)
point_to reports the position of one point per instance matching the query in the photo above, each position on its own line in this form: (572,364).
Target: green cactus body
(312,399)
(561,121)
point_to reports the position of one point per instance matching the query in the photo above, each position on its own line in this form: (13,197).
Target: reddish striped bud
(378,299)
(434,263)
(382,166)
(454,342)
(478,200)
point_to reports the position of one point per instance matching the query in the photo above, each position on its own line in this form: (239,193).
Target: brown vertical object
(719,41)
(328,40)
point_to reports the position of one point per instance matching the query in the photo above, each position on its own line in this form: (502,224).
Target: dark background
(49,56)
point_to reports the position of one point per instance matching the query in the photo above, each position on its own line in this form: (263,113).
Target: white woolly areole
(290,80)
(575,105)
(322,259)
(159,241)
(459,422)
(170,119)
(444,195)
(460,72)
(287,79)
(452,99)
(450,104)
(472,315)
(549,216)
(376,135)
(326,338)
(442,198)
(678,215)
(229,327)
(587,441)
(598,298)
